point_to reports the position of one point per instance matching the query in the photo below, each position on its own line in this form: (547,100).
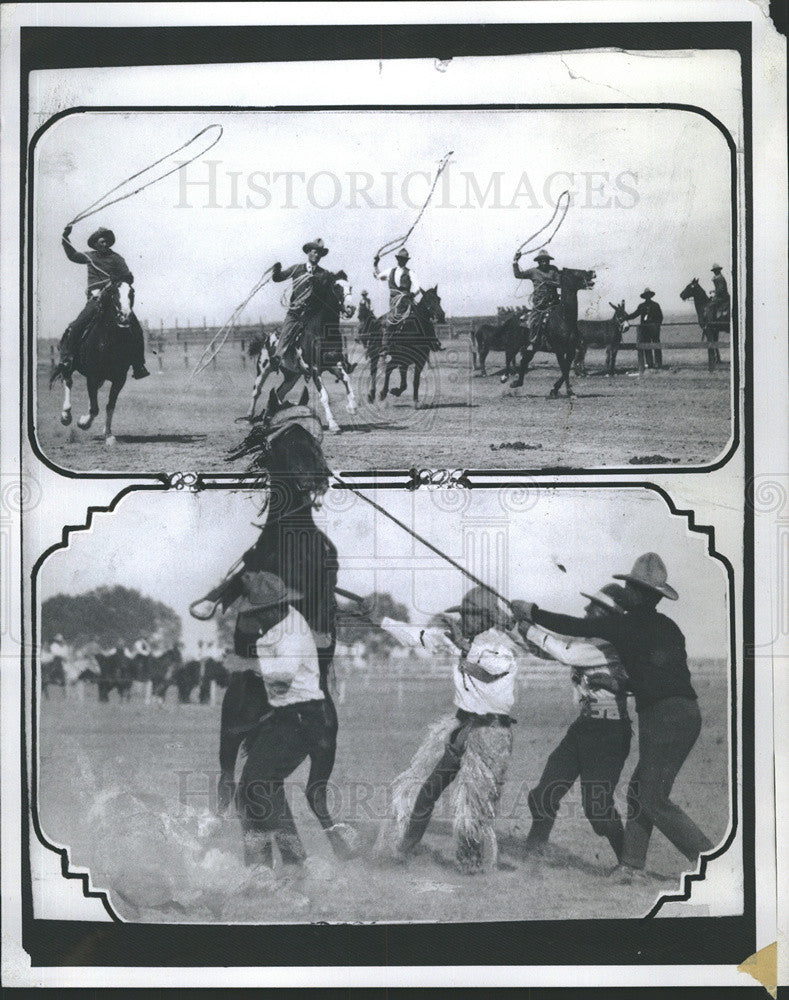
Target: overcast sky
(510,539)
(651,203)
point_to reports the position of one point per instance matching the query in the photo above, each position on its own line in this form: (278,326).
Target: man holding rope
(545,294)
(104,265)
(404,286)
(310,281)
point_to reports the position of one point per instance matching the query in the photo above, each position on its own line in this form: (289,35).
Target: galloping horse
(559,332)
(710,325)
(509,335)
(285,448)
(319,349)
(410,343)
(103,355)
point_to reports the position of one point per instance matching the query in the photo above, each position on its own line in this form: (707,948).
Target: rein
(101,203)
(400,241)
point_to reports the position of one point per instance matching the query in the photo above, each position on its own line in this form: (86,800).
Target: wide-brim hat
(402,254)
(479,599)
(543,255)
(316,245)
(267,590)
(611,597)
(650,571)
(108,235)
(716,267)
(647,294)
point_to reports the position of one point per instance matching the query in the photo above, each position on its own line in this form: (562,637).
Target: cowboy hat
(402,254)
(94,238)
(650,571)
(316,245)
(611,597)
(716,267)
(543,255)
(266,590)
(479,599)
(647,294)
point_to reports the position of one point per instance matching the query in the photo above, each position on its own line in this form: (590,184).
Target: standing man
(652,650)
(545,279)
(104,265)
(651,316)
(596,745)
(296,725)
(471,748)
(311,285)
(404,286)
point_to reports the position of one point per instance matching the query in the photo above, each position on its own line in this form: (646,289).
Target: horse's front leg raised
(65,413)
(526,357)
(334,427)
(87,419)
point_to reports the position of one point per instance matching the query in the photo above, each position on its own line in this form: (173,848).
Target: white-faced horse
(104,354)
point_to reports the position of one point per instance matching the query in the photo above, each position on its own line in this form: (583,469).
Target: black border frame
(668,941)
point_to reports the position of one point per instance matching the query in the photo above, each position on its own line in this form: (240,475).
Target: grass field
(171,423)
(126,788)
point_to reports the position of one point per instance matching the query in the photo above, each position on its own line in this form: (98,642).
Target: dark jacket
(102,266)
(650,646)
(648,311)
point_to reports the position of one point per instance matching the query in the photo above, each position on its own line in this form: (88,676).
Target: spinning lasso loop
(220,337)
(557,208)
(400,241)
(101,203)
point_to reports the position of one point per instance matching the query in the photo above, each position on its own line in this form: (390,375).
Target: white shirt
(593,660)
(492,650)
(398,274)
(287,659)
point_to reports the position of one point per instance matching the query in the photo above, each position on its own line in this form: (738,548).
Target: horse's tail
(56,373)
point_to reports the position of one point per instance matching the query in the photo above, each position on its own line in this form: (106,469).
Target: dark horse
(320,347)
(559,332)
(285,449)
(711,325)
(410,343)
(602,333)
(103,355)
(116,670)
(509,335)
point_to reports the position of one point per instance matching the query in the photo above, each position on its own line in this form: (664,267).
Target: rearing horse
(104,354)
(710,325)
(559,331)
(285,449)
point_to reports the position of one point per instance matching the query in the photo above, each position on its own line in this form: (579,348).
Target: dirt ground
(171,423)
(127,788)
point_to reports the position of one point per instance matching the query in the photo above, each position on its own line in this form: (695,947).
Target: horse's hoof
(370,397)
(109,441)
(334,428)
(553,394)
(247,419)
(65,418)
(517,383)
(396,392)
(503,379)
(84,423)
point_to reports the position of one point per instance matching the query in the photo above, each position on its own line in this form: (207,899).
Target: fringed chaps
(476,791)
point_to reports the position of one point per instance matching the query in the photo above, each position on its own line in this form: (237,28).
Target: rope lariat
(400,241)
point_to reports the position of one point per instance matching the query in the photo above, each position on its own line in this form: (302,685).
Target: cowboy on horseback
(104,266)
(720,303)
(545,294)
(310,283)
(404,286)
